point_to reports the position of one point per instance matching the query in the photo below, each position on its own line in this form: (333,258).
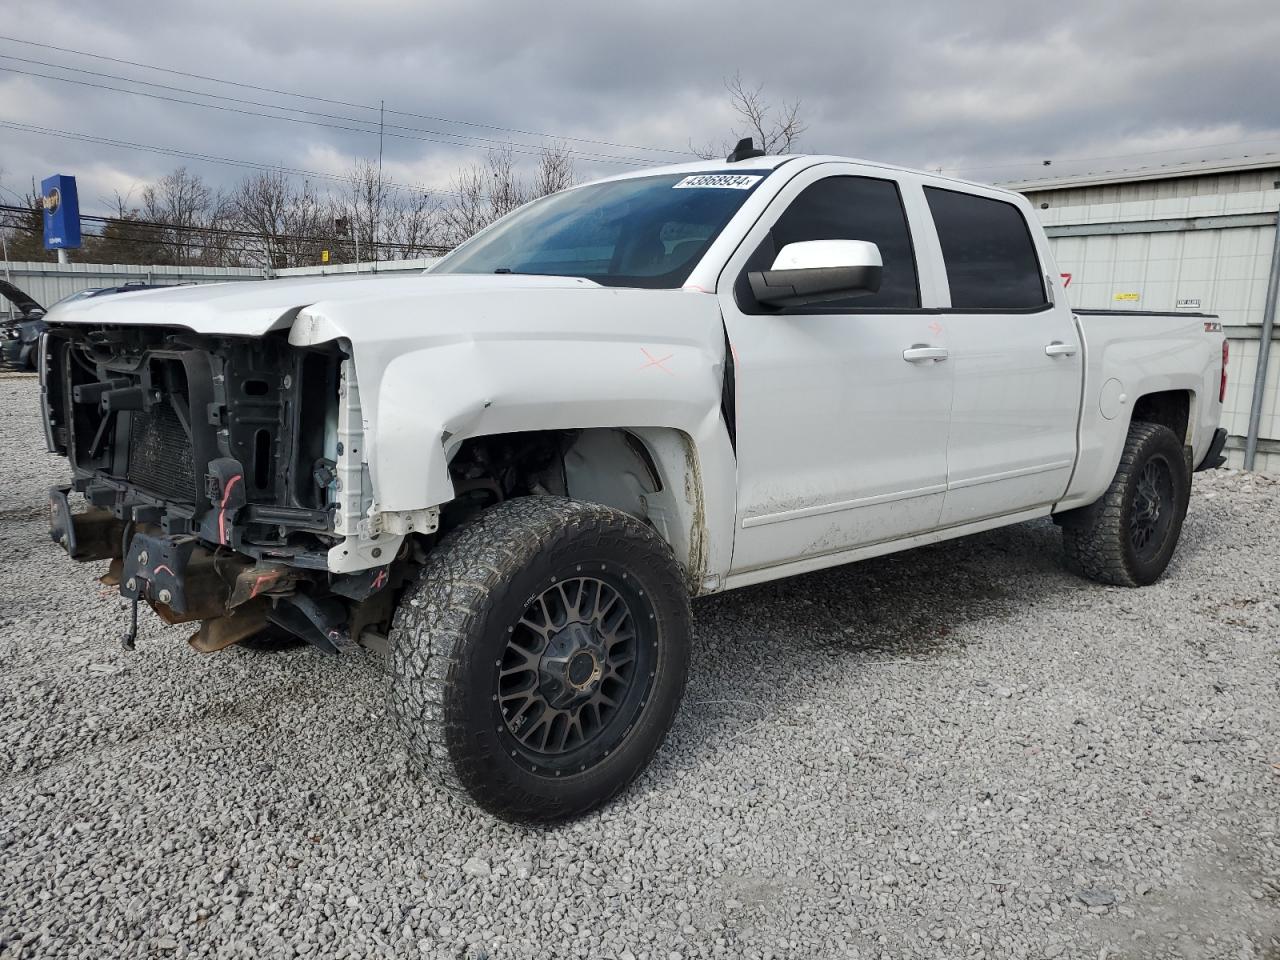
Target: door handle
(920,352)
(1060,349)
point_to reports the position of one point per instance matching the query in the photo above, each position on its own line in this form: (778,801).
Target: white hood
(254,307)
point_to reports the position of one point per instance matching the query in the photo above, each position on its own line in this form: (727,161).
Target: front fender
(437,370)
(430,401)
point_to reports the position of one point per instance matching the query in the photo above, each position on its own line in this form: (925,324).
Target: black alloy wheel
(538,661)
(1153,509)
(576,671)
(1128,535)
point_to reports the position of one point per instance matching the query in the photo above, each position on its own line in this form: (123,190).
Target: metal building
(1199,237)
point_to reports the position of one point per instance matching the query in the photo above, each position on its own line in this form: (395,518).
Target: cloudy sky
(986,89)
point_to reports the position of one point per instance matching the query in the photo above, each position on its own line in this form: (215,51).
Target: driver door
(841,439)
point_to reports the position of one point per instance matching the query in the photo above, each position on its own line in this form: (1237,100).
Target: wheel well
(489,469)
(1169,408)
(650,473)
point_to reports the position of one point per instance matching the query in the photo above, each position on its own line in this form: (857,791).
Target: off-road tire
(1097,540)
(451,630)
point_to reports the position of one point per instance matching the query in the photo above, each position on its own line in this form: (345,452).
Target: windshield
(642,232)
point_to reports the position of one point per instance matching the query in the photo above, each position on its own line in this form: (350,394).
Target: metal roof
(1163,172)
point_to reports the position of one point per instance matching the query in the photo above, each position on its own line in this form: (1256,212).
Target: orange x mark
(658,362)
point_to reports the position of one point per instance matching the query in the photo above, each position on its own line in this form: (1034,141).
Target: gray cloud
(987,88)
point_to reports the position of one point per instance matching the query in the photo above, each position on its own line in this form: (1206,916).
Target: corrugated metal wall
(47,283)
(1238,181)
(1209,249)
(382,266)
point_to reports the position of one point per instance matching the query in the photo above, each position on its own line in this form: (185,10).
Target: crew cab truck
(516,469)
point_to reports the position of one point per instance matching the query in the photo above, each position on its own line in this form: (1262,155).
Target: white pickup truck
(515,470)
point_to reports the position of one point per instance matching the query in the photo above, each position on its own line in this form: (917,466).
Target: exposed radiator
(160,459)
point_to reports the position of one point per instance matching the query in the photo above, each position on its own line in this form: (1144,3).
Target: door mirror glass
(812,271)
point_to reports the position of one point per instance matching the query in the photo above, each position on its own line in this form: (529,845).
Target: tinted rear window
(986,246)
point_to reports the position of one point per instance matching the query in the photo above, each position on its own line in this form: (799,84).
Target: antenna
(745,150)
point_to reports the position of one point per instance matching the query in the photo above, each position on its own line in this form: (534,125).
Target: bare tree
(23,228)
(184,207)
(555,170)
(467,212)
(506,191)
(411,223)
(358,209)
(126,237)
(269,220)
(775,129)
(482,194)
(288,222)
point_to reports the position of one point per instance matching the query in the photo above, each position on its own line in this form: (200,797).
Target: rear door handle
(1060,349)
(920,352)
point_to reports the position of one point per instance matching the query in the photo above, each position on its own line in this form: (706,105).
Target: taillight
(1222,390)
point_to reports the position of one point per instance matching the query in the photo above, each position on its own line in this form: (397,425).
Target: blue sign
(61,212)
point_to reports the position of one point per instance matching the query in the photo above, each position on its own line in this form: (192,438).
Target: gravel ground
(961,751)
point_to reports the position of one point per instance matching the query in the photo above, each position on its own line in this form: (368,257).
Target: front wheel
(539,660)
(1127,537)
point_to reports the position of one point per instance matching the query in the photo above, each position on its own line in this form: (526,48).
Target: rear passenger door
(1015,357)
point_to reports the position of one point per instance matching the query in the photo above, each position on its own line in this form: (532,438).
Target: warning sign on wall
(1129,297)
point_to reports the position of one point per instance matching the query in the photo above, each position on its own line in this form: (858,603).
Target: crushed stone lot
(957,752)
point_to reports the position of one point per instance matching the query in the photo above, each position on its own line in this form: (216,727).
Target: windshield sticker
(721,181)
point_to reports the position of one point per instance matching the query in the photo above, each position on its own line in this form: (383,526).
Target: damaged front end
(226,481)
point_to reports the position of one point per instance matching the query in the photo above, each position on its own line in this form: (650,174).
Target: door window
(844,208)
(986,246)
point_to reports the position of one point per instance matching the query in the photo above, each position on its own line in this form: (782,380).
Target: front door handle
(1060,349)
(920,352)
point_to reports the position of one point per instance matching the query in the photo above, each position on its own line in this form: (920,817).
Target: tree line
(276,219)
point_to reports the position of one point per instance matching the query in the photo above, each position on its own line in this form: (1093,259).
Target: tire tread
(447,606)
(1093,537)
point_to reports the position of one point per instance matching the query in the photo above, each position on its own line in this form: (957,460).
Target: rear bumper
(1215,457)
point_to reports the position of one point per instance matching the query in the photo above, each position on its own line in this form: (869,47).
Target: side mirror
(816,270)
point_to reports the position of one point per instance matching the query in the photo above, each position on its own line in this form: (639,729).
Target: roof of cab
(773,162)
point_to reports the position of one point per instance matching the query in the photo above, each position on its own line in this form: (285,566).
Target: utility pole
(377,214)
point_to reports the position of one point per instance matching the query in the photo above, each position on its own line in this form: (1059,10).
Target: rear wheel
(539,660)
(1127,537)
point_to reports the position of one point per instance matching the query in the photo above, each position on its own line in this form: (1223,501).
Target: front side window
(845,208)
(641,232)
(986,247)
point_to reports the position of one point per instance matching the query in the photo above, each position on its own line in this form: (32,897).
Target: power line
(210,158)
(145,225)
(242,249)
(515,148)
(344,103)
(275,106)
